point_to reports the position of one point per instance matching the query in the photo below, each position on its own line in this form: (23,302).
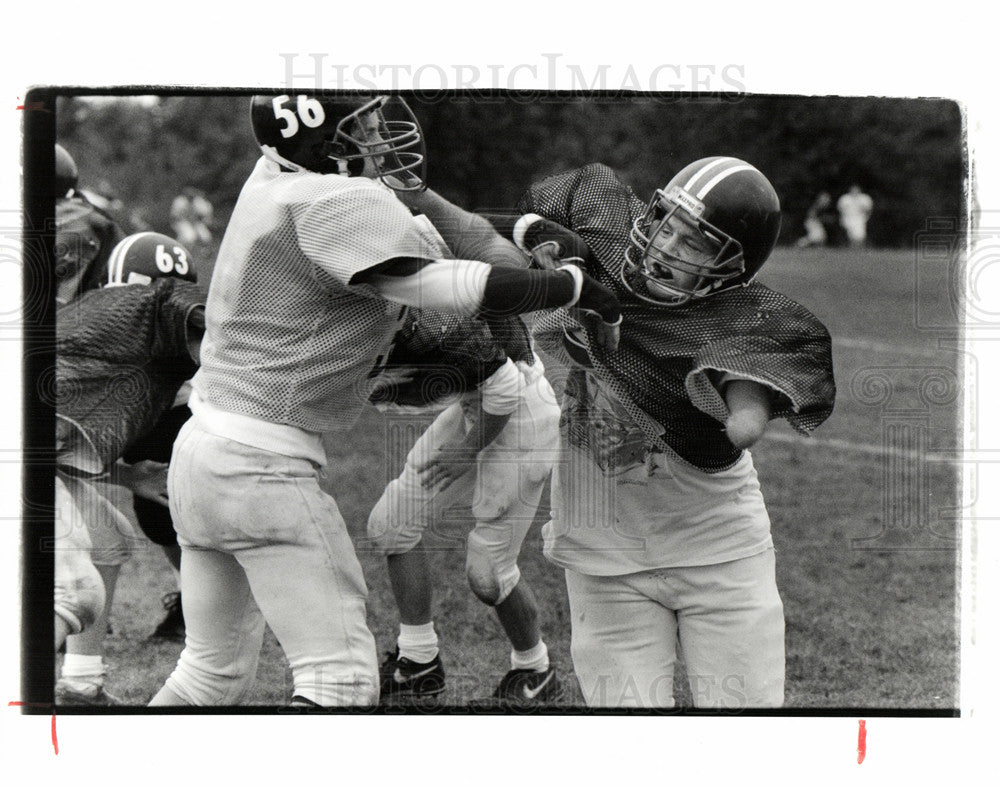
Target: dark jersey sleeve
(594,203)
(450,355)
(121,356)
(789,352)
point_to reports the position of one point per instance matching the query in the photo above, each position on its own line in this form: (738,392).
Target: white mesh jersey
(288,338)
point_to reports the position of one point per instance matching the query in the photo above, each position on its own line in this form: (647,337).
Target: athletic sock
(537,658)
(418,643)
(83,671)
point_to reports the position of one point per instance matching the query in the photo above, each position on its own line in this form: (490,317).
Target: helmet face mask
(709,230)
(344,135)
(675,256)
(385,133)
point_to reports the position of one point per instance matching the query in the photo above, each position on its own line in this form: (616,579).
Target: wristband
(521,228)
(577,275)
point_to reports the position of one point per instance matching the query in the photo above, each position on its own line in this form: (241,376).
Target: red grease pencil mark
(32,106)
(17,704)
(862,740)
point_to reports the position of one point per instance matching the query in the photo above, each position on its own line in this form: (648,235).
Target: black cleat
(404,678)
(529,687)
(172,626)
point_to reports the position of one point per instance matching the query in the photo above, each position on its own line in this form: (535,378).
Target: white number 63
(172,264)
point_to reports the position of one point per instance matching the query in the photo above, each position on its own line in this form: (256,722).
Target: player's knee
(491,578)
(483,582)
(79,593)
(392,532)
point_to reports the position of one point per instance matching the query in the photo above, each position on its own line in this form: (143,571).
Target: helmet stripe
(719,177)
(712,163)
(117,261)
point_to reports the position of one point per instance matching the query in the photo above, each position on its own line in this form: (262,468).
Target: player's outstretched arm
(452,461)
(470,287)
(500,395)
(468,235)
(749,405)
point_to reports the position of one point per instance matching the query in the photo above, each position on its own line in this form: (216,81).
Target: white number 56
(310,112)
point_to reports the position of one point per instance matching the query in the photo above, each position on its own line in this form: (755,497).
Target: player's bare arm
(749,405)
(453,460)
(467,234)
(147,479)
(500,395)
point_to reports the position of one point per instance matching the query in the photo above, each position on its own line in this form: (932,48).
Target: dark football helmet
(140,258)
(66,172)
(340,134)
(729,215)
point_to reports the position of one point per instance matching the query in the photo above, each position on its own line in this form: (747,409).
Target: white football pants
(262,542)
(727,619)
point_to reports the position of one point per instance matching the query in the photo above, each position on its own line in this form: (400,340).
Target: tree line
(485,149)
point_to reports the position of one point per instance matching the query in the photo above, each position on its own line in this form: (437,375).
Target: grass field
(863,517)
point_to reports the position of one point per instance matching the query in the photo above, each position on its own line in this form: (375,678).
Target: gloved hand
(550,244)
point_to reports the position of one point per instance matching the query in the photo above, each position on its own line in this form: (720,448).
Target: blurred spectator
(191,217)
(855,209)
(820,223)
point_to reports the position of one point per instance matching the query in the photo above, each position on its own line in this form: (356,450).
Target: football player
(131,264)
(502,422)
(316,269)
(85,235)
(657,514)
(122,354)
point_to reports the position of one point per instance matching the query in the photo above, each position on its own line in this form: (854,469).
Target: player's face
(677,237)
(368,128)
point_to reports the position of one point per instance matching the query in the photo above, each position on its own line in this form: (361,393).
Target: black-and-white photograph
(452,394)
(495,402)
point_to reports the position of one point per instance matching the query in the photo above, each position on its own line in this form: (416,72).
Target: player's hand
(384,385)
(551,245)
(449,463)
(597,300)
(148,479)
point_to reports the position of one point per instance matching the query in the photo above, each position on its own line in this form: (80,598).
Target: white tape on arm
(454,286)
(577,275)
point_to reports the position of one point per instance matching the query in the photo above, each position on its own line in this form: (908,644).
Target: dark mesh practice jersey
(451,355)
(664,366)
(121,356)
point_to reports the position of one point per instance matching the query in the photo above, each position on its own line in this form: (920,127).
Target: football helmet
(66,172)
(341,134)
(710,229)
(140,258)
